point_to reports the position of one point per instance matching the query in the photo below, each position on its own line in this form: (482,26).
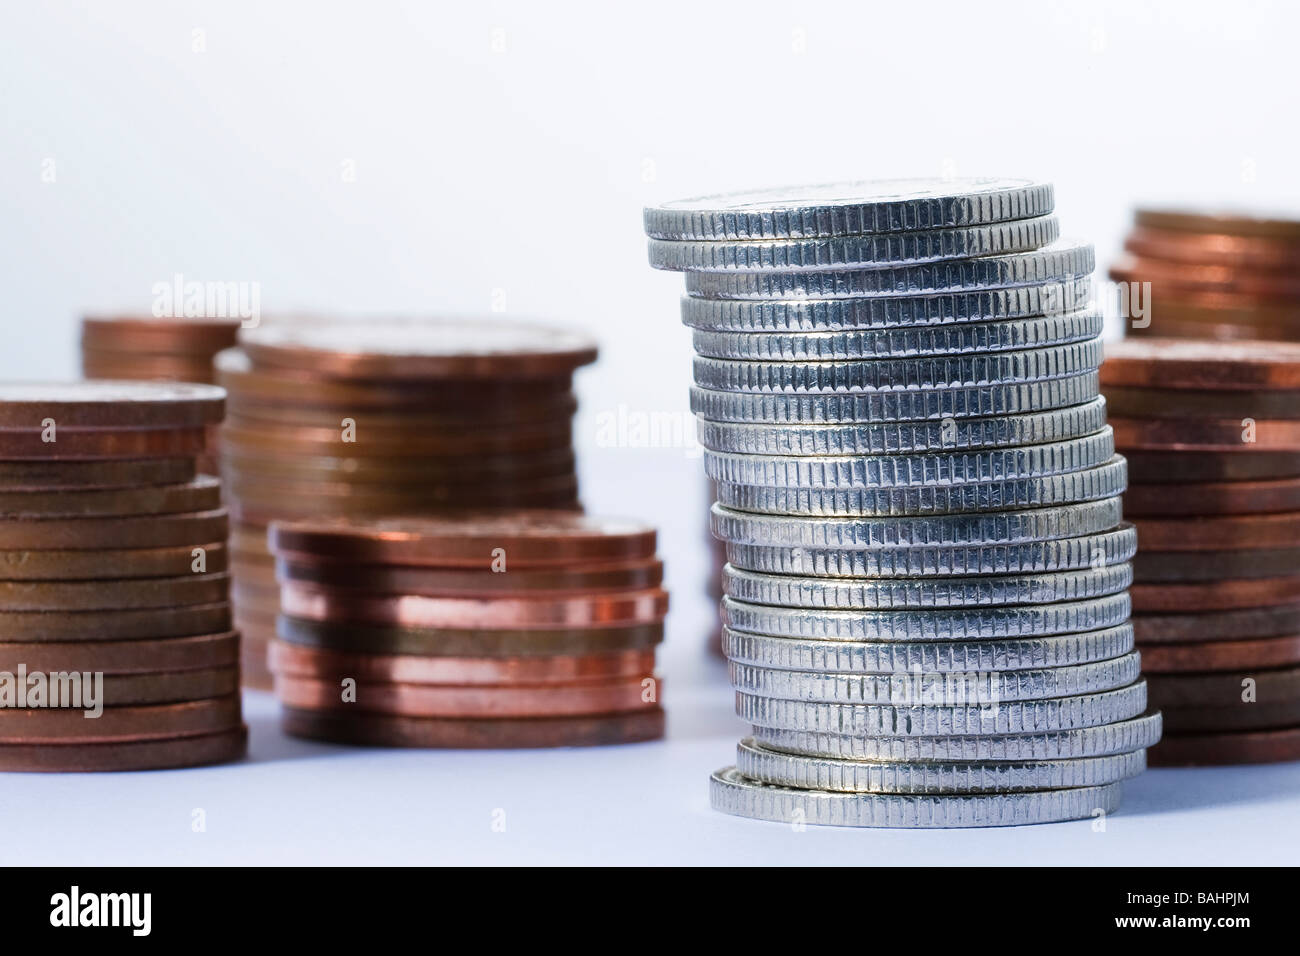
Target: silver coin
(857,594)
(1005,527)
(865,375)
(1006,336)
(861,776)
(888,720)
(1122,736)
(833,315)
(730,792)
(901,406)
(1037,557)
(912,471)
(862,657)
(855,251)
(967,688)
(949,624)
(849,208)
(1063,260)
(1095,483)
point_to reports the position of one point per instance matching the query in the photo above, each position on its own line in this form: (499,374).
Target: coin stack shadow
(387,416)
(1213,276)
(113,585)
(517,629)
(926,609)
(167,349)
(1212,434)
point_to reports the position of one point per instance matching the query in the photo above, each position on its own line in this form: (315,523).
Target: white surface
(297,802)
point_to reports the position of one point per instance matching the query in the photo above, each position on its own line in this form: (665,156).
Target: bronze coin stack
(375,416)
(116,648)
(165,348)
(1211,431)
(517,629)
(1215,276)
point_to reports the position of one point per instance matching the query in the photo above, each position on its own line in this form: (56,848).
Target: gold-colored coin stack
(116,648)
(375,417)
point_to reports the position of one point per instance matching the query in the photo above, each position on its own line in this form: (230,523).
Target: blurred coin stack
(1214,276)
(145,348)
(1212,434)
(116,648)
(927,610)
(387,416)
(517,629)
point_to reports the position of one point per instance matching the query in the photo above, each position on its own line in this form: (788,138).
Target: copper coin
(1218,309)
(1216,626)
(1133,402)
(201,494)
(164,754)
(60,726)
(543,438)
(1233,717)
(110,366)
(101,443)
(28,565)
(120,473)
(1249,252)
(128,625)
(112,595)
(259,494)
(518,539)
(1226,689)
(1179,363)
(431,700)
(460,642)
(364,470)
(1228,497)
(1153,566)
(166,334)
(299,661)
(413,348)
(1176,466)
(114,405)
(1221,655)
(1197,750)
(360,509)
(1226,223)
(1231,329)
(1223,595)
(1219,533)
(624,576)
(141,531)
(377,730)
(545,408)
(1245,436)
(123,657)
(1185,277)
(164,687)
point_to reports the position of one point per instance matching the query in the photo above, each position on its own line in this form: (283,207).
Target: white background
(512,146)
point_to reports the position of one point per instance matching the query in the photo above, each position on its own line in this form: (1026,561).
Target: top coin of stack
(927,609)
(387,416)
(1216,276)
(1212,431)
(113,581)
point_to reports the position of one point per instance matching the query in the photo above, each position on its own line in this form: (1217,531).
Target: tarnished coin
(1192,750)
(120,473)
(162,687)
(1221,595)
(1199,719)
(1218,625)
(137,531)
(1222,497)
(1180,363)
(1221,655)
(123,625)
(1233,689)
(200,652)
(73,406)
(74,565)
(1192,466)
(730,792)
(112,595)
(201,494)
(1151,567)
(1157,402)
(93,444)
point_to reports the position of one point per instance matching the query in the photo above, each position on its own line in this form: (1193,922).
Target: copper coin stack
(517,629)
(145,348)
(383,417)
(1211,431)
(116,648)
(1215,276)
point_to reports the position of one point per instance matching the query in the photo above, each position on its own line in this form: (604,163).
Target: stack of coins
(383,417)
(116,651)
(518,629)
(1212,434)
(927,611)
(1214,275)
(145,348)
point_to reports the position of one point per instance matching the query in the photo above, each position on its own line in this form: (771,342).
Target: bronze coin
(61,726)
(128,625)
(1225,223)
(1223,595)
(124,657)
(109,366)
(140,531)
(1221,655)
(559,406)
(517,539)
(361,509)
(1183,278)
(163,334)
(1219,533)
(1217,626)
(101,443)
(1133,402)
(626,576)
(165,754)
(391,497)
(113,405)
(1211,248)
(165,687)
(1231,329)
(119,473)
(461,642)
(28,565)
(113,595)
(201,494)
(1223,497)
(1242,436)
(378,730)
(1167,467)
(1226,689)
(1197,750)
(345,441)
(1208,308)
(1179,363)
(1150,567)
(362,471)
(1240,716)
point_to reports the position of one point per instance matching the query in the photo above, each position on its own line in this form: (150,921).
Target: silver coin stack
(926,608)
